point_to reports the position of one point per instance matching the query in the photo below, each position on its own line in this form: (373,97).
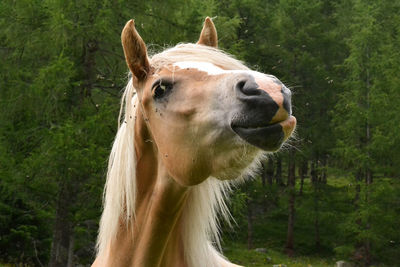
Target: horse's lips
(269,137)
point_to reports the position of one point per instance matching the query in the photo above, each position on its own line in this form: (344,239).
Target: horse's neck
(156,238)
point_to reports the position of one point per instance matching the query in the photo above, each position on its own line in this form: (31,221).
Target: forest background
(333,193)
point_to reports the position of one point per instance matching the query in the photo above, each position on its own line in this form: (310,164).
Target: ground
(238,254)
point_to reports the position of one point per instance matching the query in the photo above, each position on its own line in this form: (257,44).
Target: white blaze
(212,69)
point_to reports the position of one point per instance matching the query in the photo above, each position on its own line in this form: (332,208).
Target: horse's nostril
(248,87)
(287,96)
(240,85)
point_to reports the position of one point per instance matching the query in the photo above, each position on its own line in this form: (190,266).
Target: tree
(360,114)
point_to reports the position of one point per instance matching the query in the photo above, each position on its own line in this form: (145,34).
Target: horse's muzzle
(265,119)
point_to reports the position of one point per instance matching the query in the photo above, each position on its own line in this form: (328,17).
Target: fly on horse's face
(210,119)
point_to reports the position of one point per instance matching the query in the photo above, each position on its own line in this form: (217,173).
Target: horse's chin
(242,165)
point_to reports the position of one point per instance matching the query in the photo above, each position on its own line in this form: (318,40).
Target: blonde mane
(206,201)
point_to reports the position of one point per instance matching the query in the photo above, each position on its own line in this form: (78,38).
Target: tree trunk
(324,171)
(368,177)
(249,225)
(302,173)
(313,172)
(70,262)
(358,188)
(368,172)
(270,171)
(278,174)
(316,181)
(367,241)
(61,232)
(263,173)
(316,186)
(289,248)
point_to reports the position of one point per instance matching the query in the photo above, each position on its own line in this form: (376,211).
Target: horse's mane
(206,201)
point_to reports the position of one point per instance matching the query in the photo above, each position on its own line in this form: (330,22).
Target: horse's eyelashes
(161,89)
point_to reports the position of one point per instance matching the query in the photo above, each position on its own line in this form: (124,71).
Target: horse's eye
(161,89)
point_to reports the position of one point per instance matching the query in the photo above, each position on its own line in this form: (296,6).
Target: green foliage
(375,221)
(341,226)
(62,72)
(364,113)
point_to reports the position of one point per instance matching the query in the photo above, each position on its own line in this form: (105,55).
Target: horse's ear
(208,35)
(135,51)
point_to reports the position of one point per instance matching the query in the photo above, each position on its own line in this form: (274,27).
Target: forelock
(195,52)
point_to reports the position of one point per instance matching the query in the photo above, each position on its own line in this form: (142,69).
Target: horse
(193,122)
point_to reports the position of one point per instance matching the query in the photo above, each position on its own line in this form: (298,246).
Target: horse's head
(205,112)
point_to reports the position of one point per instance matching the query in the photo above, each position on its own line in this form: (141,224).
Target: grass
(238,254)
